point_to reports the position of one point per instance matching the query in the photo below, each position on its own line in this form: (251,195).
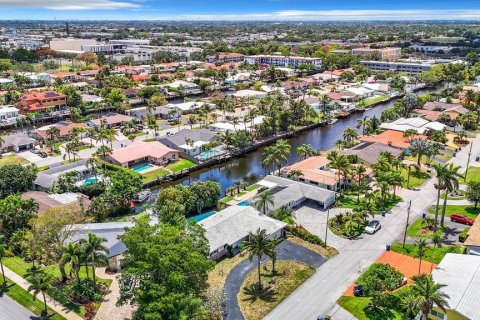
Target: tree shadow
(254,292)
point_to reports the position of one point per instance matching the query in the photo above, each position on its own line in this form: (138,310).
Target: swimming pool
(245,203)
(142,167)
(202,216)
(211,153)
(89,181)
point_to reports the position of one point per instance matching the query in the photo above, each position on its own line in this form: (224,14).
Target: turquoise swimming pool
(142,167)
(245,203)
(211,153)
(202,216)
(89,181)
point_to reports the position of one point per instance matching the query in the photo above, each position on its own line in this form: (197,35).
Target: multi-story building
(385,53)
(410,68)
(70,44)
(38,101)
(226,57)
(282,61)
(8,115)
(107,48)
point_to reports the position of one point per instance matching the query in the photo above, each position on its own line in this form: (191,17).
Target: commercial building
(226,230)
(70,44)
(107,48)
(384,53)
(461,276)
(410,68)
(282,61)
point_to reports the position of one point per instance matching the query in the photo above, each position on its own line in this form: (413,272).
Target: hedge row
(304,234)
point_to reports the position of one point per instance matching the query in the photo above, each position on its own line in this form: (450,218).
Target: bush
(463,235)
(379,278)
(304,235)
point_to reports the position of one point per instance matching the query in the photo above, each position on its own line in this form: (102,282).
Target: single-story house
(139,151)
(315,171)
(418,124)
(361,91)
(186,107)
(368,152)
(290,193)
(473,238)
(65,128)
(55,200)
(91,98)
(249,94)
(46,179)
(226,230)
(17,142)
(110,120)
(440,106)
(189,141)
(228,126)
(461,276)
(343,96)
(392,138)
(377,86)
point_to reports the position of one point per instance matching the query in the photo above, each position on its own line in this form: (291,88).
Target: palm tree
(305,151)
(41,283)
(3,251)
(52,134)
(437,241)
(417,168)
(295,174)
(350,134)
(359,171)
(282,149)
(341,164)
(383,187)
(450,180)
(258,245)
(421,248)
(73,255)
(428,293)
(272,253)
(95,251)
(362,123)
(263,200)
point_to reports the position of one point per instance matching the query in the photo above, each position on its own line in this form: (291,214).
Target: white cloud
(68,4)
(329,15)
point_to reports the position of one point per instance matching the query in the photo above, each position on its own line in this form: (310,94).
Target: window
(438,314)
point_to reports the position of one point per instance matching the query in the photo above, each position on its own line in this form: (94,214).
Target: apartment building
(411,68)
(225,57)
(107,48)
(34,101)
(282,61)
(385,53)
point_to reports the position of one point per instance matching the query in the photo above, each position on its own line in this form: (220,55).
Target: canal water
(249,166)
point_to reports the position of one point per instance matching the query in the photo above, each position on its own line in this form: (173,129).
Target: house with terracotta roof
(143,152)
(343,96)
(315,171)
(392,138)
(65,128)
(34,101)
(110,120)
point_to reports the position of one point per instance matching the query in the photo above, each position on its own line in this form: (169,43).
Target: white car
(372,227)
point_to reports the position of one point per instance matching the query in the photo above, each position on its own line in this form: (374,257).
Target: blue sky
(240,9)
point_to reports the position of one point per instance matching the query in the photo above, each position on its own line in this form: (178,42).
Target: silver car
(372,227)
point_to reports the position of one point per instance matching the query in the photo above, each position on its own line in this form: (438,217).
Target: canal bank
(248,166)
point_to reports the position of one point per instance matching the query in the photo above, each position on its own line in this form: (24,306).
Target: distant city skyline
(280,10)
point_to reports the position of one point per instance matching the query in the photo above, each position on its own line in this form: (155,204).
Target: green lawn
(152,175)
(430,255)
(359,307)
(468,211)
(25,299)
(351,202)
(371,101)
(415,229)
(416,178)
(472,174)
(12,159)
(136,134)
(458,197)
(180,165)
(230,198)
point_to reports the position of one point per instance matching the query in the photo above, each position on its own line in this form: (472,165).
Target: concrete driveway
(286,250)
(10,309)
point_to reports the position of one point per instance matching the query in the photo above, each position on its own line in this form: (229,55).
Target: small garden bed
(430,255)
(289,275)
(457,195)
(328,252)
(347,228)
(423,228)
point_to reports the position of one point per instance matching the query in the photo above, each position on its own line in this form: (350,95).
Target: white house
(418,124)
(8,115)
(227,229)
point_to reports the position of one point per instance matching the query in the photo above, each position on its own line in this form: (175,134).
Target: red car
(460,218)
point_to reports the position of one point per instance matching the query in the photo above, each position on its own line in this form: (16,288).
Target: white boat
(143,195)
(332,121)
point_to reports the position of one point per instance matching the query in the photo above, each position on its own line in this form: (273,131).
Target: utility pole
(326,227)
(406,225)
(468,160)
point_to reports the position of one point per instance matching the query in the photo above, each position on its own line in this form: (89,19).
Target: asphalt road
(11,310)
(318,295)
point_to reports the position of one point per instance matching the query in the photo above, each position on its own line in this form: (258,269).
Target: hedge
(304,234)
(463,235)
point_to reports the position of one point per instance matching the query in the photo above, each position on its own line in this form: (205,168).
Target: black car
(358,291)
(42,154)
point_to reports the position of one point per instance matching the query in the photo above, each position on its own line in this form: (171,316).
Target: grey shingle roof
(18,139)
(196,135)
(47,178)
(370,151)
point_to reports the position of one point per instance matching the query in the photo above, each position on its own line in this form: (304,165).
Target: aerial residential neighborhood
(239,161)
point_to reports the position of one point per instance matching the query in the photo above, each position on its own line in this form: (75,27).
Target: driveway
(286,250)
(10,309)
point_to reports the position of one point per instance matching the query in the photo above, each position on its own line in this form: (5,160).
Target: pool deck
(246,196)
(152,168)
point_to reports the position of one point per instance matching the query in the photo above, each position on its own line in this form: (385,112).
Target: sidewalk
(54,305)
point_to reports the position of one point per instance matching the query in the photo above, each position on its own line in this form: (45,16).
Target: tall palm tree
(272,253)
(305,151)
(341,164)
(359,172)
(421,248)
(41,282)
(73,255)
(263,200)
(437,242)
(95,251)
(295,174)
(350,134)
(450,180)
(362,123)
(282,149)
(258,245)
(428,293)
(53,133)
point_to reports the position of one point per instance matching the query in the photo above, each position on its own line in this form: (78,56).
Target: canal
(249,166)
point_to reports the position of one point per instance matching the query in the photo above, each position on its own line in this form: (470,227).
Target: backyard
(180,165)
(12,159)
(369,102)
(154,174)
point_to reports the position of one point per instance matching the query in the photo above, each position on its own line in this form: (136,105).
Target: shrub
(304,234)
(463,235)
(379,278)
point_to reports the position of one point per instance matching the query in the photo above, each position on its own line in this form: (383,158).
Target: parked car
(460,218)
(372,227)
(34,151)
(42,154)
(358,291)
(477,158)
